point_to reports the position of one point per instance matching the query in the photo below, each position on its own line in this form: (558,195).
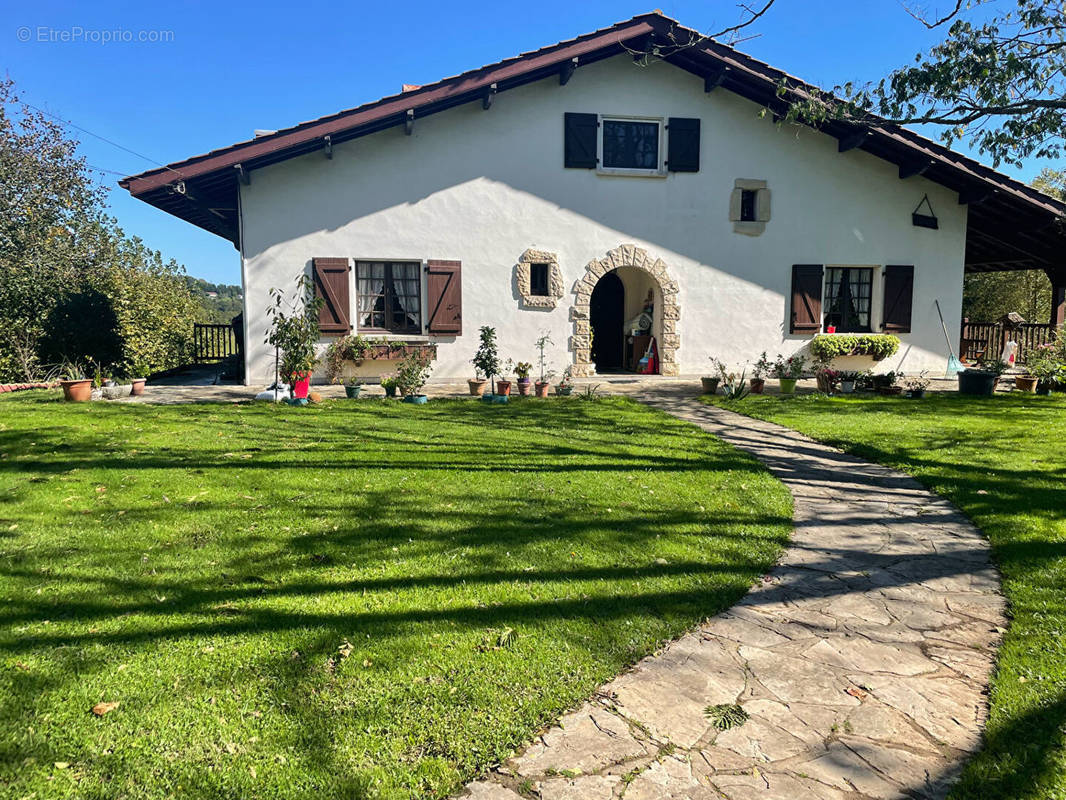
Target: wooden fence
(213,343)
(980,339)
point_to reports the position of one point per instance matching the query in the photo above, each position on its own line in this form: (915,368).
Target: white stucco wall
(483,186)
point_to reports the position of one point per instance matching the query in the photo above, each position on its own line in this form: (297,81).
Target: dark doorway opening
(606,317)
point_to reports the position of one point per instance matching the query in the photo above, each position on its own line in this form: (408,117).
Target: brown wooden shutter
(899,292)
(331,284)
(444,297)
(806,298)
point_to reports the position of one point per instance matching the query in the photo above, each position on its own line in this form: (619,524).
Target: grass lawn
(1002,461)
(359,599)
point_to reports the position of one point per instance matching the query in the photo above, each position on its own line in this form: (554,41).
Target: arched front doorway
(606,318)
(638,273)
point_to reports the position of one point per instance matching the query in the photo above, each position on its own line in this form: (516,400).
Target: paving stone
(486,790)
(669,779)
(843,769)
(919,773)
(586,787)
(796,679)
(585,741)
(762,785)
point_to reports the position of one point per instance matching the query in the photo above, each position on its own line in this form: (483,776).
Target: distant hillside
(219,302)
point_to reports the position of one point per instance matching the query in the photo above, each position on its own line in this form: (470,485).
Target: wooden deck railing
(988,338)
(212,343)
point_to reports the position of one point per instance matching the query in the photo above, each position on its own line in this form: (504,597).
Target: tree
(998,78)
(73,285)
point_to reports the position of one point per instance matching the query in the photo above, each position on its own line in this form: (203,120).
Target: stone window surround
(555,279)
(762,206)
(626,255)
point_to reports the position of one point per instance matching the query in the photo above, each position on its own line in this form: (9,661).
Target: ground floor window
(389,296)
(848,291)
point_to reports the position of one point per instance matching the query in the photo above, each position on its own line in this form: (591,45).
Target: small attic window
(748,204)
(538,280)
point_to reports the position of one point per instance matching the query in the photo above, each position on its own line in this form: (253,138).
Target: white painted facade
(482,187)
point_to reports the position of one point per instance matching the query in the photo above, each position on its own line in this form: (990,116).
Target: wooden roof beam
(566,71)
(913,168)
(852,140)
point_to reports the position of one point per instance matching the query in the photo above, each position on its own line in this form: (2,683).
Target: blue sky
(229,68)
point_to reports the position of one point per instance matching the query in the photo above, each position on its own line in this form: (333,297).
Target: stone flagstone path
(861,661)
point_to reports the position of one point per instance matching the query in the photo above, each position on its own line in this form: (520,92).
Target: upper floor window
(538,280)
(631,144)
(389,295)
(748,201)
(848,292)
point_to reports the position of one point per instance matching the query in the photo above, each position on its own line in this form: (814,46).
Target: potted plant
(522,370)
(503,386)
(545,375)
(982,379)
(734,387)
(389,384)
(117,387)
(827,379)
(848,381)
(138,372)
(565,386)
(709,383)
(486,362)
(294,332)
(352,388)
(1043,365)
(76,387)
(758,374)
(412,375)
(916,386)
(886,383)
(787,371)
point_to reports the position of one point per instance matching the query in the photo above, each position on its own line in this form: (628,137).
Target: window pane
(370,293)
(747,205)
(630,145)
(538,280)
(847,299)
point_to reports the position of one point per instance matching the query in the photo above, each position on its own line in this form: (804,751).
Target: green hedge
(878,346)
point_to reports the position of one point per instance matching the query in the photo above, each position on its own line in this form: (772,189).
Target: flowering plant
(789,368)
(761,367)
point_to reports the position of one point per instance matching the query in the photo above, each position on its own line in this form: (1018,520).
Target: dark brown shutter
(579,135)
(331,284)
(444,296)
(899,292)
(683,144)
(806,298)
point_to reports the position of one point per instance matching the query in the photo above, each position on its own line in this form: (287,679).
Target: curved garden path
(861,661)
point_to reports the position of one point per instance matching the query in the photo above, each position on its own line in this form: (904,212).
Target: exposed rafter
(409,122)
(328,146)
(913,168)
(976,196)
(713,80)
(490,95)
(566,71)
(852,140)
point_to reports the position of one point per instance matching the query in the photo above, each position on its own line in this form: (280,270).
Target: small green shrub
(878,346)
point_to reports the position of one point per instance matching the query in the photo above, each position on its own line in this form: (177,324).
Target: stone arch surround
(626,255)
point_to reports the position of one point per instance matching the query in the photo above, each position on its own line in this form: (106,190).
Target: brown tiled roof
(1011,225)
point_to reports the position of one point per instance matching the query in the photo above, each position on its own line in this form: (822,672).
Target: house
(611,190)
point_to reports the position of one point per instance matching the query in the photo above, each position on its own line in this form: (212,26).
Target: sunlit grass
(359,599)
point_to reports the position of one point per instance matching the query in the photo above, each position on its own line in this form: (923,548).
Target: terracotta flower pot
(757,385)
(542,388)
(503,387)
(77,391)
(138,386)
(524,386)
(710,385)
(1025,383)
(477,386)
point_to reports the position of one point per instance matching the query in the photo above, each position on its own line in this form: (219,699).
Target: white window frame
(658,172)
